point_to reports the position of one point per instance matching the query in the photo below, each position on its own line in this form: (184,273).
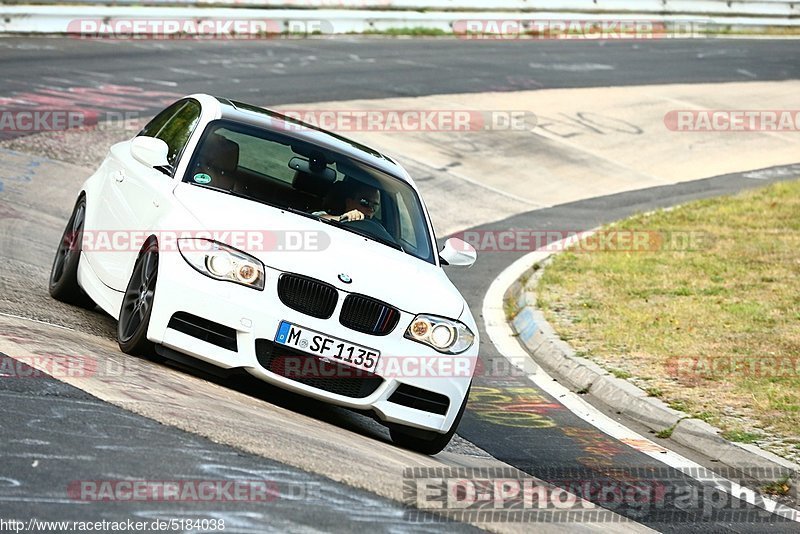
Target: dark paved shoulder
(66,453)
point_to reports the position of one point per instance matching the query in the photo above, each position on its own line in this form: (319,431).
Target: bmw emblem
(345,279)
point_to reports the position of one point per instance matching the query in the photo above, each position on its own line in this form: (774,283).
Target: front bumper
(253,318)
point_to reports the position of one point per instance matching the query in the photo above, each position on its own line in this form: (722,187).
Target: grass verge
(708,320)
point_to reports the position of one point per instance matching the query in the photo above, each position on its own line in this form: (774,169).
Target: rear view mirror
(301,165)
(150,151)
(458,252)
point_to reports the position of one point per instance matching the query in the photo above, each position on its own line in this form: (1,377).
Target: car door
(136,196)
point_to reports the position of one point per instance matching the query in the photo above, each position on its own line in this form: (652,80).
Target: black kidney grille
(307,295)
(368,315)
(312,371)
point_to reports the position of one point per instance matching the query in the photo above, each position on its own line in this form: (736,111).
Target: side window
(406,225)
(174,125)
(177,130)
(260,156)
(158,122)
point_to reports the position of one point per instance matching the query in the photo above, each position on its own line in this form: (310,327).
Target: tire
(425,441)
(137,304)
(63,283)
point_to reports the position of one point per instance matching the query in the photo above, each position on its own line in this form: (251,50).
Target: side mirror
(150,151)
(458,252)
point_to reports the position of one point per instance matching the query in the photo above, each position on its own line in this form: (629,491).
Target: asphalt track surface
(557,452)
(284,71)
(551,446)
(45,451)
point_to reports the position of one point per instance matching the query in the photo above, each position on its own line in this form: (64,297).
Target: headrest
(311,184)
(334,200)
(220,153)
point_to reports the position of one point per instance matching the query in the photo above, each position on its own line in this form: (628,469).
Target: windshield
(280,171)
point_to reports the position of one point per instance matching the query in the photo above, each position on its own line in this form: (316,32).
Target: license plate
(327,347)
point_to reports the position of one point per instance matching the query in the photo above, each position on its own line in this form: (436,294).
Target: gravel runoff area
(86,148)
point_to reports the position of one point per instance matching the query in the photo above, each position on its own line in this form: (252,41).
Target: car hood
(297,244)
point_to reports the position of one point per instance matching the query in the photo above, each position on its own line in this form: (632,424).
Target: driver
(361,202)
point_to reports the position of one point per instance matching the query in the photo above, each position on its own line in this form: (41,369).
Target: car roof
(276,122)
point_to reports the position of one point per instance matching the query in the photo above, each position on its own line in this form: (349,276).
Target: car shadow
(359,422)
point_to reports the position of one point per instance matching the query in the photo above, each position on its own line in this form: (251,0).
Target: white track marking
(41,501)
(36,321)
(157,82)
(571,67)
(508,346)
(49,456)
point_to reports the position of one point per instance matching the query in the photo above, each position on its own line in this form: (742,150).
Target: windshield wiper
(386,242)
(381,240)
(295,211)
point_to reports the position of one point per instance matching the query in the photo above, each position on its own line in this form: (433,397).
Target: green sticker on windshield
(202,178)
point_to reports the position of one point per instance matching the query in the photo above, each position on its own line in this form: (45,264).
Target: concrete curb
(584,376)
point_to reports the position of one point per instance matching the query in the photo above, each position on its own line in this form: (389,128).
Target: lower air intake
(312,371)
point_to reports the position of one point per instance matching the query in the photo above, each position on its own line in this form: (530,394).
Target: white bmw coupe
(248,240)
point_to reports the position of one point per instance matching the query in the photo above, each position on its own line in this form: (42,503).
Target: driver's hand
(352,215)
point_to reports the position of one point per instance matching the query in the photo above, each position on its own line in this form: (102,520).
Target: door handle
(119,176)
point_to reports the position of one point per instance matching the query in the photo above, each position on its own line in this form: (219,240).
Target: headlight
(444,335)
(222,262)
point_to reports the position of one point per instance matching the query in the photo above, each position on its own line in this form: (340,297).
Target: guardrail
(766,8)
(359,16)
